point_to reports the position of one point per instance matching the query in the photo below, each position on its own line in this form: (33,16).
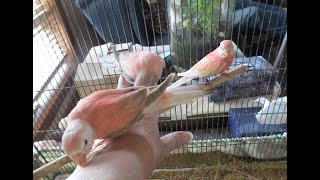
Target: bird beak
(226,53)
(80,159)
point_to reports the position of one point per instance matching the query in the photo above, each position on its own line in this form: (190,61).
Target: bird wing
(206,69)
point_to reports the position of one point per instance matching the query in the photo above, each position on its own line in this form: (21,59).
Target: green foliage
(203,15)
(199,15)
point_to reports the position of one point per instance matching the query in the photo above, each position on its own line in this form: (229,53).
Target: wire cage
(72,41)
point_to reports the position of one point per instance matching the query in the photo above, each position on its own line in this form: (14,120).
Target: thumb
(175,140)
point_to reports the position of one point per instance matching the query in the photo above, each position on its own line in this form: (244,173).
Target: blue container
(243,123)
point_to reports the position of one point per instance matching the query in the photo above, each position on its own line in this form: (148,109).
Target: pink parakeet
(142,68)
(108,113)
(216,62)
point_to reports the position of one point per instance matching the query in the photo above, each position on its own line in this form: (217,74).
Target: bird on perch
(216,62)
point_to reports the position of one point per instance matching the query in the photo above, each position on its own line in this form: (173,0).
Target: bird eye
(85,142)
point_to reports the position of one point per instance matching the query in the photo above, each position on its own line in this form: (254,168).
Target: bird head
(77,140)
(227,48)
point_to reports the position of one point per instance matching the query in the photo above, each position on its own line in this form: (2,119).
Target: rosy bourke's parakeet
(105,114)
(216,62)
(100,115)
(140,68)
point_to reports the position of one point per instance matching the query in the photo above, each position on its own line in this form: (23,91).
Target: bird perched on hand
(98,116)
(216,62)
(138,67)
(107,114)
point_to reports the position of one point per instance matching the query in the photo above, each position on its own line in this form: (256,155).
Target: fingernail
(187,136)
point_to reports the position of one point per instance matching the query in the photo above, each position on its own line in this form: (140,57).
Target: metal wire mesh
(74,35)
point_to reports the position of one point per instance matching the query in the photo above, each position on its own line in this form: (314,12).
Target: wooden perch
(51,166)
(225,77)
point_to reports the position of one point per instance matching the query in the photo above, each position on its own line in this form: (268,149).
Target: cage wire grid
(177,30)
